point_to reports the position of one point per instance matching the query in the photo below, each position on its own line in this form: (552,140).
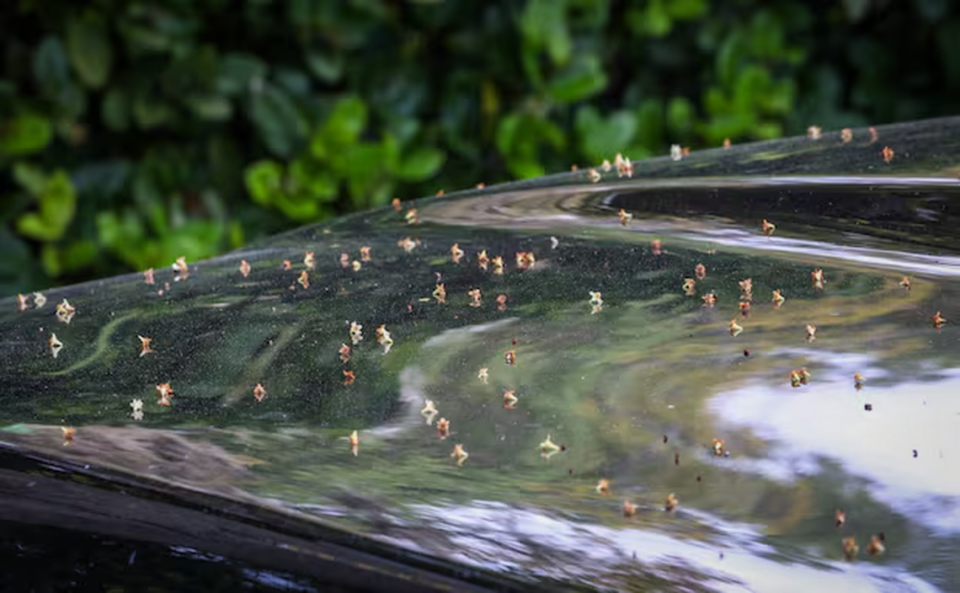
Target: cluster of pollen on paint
(524,260)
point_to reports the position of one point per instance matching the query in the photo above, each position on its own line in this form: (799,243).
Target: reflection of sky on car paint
(492,534)
(902,261)
(827,419)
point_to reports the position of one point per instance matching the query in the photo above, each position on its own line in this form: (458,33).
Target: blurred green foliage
(136,131)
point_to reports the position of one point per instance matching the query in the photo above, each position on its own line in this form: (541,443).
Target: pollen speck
(778,299)
(145,346)
(443,428)
(735,328)
(548,448)
(460,454)
(429,411)
(181,269)
(603,487)
(672,503)
(55,345)
(164,392)
(938,320)
(65,312)
(817,279)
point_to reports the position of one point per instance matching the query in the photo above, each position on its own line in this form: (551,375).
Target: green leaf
(391,153)
(50,259)
(264,179)
(327,68)
(686,9)
(141,39)
(236,235)
(50,67)
(549,131)
(526,168)
(650,125)
(655,20)
(323,186)
(680,116)
(347,121)
(210,107)
(78,255)
(300,210)
(151,112)
(768,130)
(33,226)
(420,164)
(581,80)
(24,135)
(601,138)
(506,134)
(317,184)
(58,203)
(361,165)
(277,119)
(89,48)
(753,81)
(403,129)
(295,82)
(543,23)
(30,178)
(238,71)
(728,57)
(380,195)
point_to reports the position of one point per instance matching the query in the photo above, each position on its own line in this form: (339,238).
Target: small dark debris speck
(698,478)
(868,407)
(914,453)
(676,459)
(665,438)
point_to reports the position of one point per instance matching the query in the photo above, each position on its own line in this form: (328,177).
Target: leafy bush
(136,131)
